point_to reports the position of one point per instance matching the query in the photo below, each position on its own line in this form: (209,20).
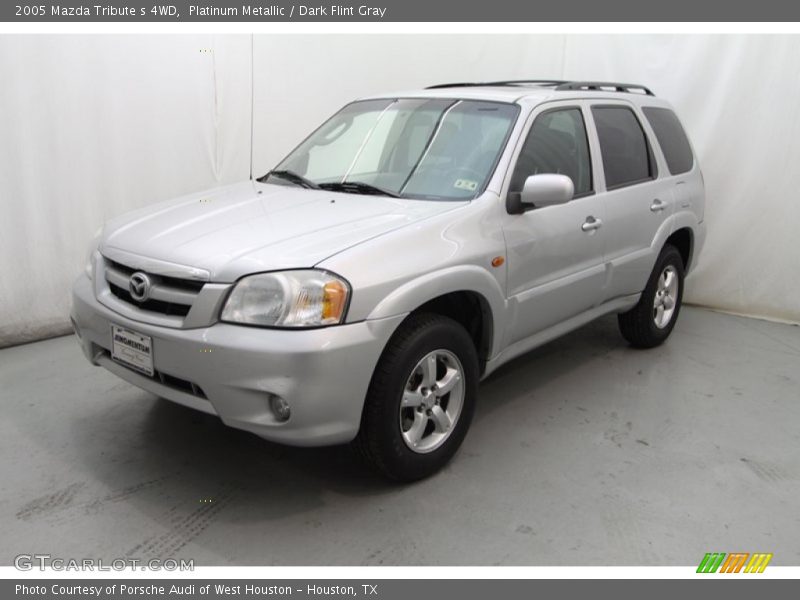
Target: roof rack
(556,84)
(511,82)
(604,86)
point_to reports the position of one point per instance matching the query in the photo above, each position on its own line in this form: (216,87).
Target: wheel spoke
(417,427)
(669,277)
(440,419)
(429,371)
(669,302)
(659,315)
(436,382)
(446,384)
(412,398)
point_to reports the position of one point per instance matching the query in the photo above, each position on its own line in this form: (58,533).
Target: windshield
(409,147)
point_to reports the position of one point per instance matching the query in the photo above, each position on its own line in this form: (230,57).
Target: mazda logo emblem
(139,286)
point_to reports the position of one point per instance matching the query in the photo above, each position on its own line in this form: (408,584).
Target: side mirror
(540,191)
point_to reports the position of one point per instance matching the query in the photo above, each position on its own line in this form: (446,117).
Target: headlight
(308,298)
(89,267)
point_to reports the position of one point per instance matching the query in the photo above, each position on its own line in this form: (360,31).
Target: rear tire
(650,322)
(421,398)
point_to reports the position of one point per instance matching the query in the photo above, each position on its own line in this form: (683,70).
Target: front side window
(556,143)
(410,147)
(626,154)
(672,139)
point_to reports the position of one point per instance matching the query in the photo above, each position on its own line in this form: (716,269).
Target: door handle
(590,224)
(658,205)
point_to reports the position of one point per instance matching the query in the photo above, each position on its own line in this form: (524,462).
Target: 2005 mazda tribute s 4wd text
(401,253)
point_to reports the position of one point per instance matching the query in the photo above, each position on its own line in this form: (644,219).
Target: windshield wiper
(291,177)
(358,187)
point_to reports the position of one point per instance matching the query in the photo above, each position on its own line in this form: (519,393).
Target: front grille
(164,308)
(171,296)
(173,282)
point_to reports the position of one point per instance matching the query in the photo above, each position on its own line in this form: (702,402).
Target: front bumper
(231,370)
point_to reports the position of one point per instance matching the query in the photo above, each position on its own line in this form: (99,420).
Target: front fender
(465,278)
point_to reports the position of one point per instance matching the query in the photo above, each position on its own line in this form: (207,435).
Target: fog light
(280,408)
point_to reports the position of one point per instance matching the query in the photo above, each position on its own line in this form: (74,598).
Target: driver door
(555,253)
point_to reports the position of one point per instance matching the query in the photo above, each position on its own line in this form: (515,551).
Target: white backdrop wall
(310,77)
(739,98)
(92,126)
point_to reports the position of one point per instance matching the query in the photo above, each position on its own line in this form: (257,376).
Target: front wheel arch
(380,438)
(425,291)
(472,311)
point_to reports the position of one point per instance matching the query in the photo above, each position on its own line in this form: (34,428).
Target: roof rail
(556,84)
(604,86)
(511,82)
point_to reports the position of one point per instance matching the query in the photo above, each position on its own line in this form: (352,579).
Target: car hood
(250,227)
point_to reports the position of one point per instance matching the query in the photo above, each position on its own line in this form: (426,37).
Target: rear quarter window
(627,158)
(672,139)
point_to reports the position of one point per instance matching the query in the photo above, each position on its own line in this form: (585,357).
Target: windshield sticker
(466,184)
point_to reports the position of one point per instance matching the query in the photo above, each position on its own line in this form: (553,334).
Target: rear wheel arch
(683,241)
(647,325)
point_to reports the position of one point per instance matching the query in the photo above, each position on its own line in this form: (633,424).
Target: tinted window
(556,143)
(626,154)
(671,138)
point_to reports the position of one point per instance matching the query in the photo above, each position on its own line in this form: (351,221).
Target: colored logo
(736,562)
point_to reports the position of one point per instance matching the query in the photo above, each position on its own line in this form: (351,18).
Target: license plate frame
(132,349)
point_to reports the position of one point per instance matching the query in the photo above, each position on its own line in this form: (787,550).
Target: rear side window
(626,154)
(672,139)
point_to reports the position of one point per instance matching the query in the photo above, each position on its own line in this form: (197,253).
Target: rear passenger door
(637,201)
(679,158)
(555,253)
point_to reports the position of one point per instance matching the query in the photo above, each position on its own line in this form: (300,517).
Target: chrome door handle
(658,205)
(590,224)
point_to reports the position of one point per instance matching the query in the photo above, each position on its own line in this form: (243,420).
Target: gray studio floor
(584,452)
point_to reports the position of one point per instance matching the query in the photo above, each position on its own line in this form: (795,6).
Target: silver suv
(404,251)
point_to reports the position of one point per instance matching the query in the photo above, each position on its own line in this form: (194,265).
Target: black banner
(731,588)
(75,11)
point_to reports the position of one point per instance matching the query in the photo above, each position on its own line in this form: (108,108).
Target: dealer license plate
(132,349)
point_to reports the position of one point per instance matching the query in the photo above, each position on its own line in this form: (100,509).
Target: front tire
(421,398)
(650,322)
